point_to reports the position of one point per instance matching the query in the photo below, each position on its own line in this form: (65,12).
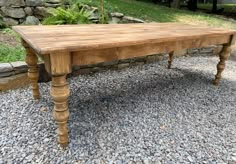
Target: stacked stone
(26,11)
(121,18)
(31,12)
(13,68)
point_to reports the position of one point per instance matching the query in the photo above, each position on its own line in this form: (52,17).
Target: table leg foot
(170,60)
(33,72)
(60,93)
(224,54)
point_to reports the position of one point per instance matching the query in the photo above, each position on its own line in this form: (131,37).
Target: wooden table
(61,47)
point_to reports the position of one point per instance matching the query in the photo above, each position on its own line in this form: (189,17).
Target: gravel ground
(144,113)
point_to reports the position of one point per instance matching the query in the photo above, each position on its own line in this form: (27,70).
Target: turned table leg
(60,93)
(59,65)
(170,60)
(33,72)
(224,54)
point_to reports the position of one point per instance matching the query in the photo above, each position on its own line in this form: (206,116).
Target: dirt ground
(8,39)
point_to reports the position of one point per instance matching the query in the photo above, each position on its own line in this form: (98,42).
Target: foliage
(231,8)
(10,54)
(75,14)
(9,31)
(2,24)
(103,6)
(102,17)
(157,13)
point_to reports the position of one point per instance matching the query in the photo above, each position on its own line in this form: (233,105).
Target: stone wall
(25,11)
(31,12)
(14,74)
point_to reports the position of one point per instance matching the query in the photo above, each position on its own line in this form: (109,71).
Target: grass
(9,31)
(151,12)
(10,54)
(227,7)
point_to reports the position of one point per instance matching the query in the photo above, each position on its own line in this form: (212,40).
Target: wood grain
(224,55)
(170,60)
(93,56)
(45,39)
(60,47)
(60,93)
(60,63)
(33,72)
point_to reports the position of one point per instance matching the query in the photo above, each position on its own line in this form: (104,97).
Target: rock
(154,58)
(118,15)
(190,159)
(41,12)
(19,67)
(34,2)
(6,74)
(123,65)
(193,51)
(10,21)
(86,7)
(19,64)
(13,12)
(28,11)
(15,3)
(53,1)
(94,18)
(128,19)
(5,67)
(115,20)
(105,64)
(94,9)
(206,50)
(96,21)
(32,20)
(3,2)
(21,20)
(234,158)
(54,5)
(81,71)
(135,20)
(46,140)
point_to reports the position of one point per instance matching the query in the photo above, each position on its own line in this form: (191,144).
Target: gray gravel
(145,113)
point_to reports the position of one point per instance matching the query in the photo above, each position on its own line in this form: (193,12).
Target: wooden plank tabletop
(45,39)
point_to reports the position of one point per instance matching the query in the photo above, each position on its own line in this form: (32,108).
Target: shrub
(75,14)
(102,5)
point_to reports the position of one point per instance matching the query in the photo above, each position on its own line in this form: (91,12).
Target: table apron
(110,54)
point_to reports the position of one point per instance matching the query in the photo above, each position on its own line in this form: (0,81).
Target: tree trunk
(192,5)
(102,13)
(214,7)
(175,4)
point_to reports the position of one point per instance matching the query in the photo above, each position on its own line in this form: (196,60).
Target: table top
(46,39)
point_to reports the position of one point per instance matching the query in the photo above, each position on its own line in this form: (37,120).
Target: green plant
(102,18)
(75,14)
(10,54)
(2,24)
(9,31)
(102,5)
